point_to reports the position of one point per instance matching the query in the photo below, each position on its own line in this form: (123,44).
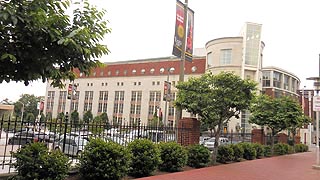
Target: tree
(30,105)
(75,120)
(61,116)
(87,117)
(39,40)
(104,117)
(293,115)
(216,99)
(276,113)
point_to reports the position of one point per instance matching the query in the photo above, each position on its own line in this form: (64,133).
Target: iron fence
(71,138)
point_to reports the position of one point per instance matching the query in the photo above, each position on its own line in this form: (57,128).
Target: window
(225,56)
(152,70)
(134,83)
(143,71)
(101,73)
(117,72)
(125,72)
(109,73)
(210,59)
(286,82)
(139,83)
(277,79)
(153,83)
(266,79)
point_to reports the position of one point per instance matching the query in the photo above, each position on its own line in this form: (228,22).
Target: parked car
(26,137)
(116,139)
(74,145)
(202,139)
(210,142)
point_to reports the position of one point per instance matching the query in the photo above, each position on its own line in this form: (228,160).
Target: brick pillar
(282,138)
(188,131)
(258,136)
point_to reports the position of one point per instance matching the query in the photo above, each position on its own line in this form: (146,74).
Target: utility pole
(316,107)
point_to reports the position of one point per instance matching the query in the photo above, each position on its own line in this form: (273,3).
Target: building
(132,91)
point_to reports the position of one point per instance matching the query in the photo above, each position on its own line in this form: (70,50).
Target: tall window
(50,101)
(154,102)
(103,101)
(286,82)
(266,79)
(88,98)
(135,107)
(118,106)
(225,56)
(210,59)
(62,101)
(276,79)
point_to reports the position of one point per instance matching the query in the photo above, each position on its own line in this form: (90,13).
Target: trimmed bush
(225,154)
(237,151)
(198,156)
(104,160)
(249,152)
(173,156)
(259,149)
(34,161)
(145,157)
(301,148)
(267,151)
(280,149)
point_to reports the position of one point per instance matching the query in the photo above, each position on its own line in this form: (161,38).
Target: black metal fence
(70,137)
(233,138)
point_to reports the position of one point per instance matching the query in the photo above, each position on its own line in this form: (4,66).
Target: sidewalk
(288,167)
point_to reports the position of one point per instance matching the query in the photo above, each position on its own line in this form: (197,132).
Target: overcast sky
(145,29)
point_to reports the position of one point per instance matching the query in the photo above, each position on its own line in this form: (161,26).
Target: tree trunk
(272,142)
(216,144)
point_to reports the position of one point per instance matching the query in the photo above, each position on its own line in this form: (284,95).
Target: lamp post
(316,107)
(168,96)
(22,110)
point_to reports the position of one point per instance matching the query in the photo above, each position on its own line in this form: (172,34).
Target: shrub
(259,149)
(237,151)
(173,156)
(34,161)
(249,152)
(104,160)
(280,149)
(145,157)
(198,156)
(267,151)
(225,154)
(300,148)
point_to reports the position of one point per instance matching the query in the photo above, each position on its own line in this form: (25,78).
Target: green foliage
(145,157)
(267,151)
(225,154)
(249,152)
(104,160)
(237,151)
(75,120)
(27,103)
(215,98)
(173,156)
(40,40)
(259,149)
(34,161)
(281,149)
(61,116)
(198,156)
(87,116)
(301,148)
(30,117)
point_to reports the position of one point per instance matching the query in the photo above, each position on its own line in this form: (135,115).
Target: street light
(170,70)
(22,110)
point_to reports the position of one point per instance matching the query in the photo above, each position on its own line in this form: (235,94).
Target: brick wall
(189,131)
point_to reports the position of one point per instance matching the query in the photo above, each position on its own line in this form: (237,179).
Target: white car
(210,142)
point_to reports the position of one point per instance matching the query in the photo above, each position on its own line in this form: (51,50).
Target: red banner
(180,32)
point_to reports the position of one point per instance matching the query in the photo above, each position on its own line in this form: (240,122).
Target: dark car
(26,137)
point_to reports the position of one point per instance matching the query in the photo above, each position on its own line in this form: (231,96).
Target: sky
(145,29)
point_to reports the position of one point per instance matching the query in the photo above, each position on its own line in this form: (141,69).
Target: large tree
(28,104)
(216,99)
(39,39)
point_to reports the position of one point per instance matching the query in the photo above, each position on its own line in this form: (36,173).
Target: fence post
(65,132)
